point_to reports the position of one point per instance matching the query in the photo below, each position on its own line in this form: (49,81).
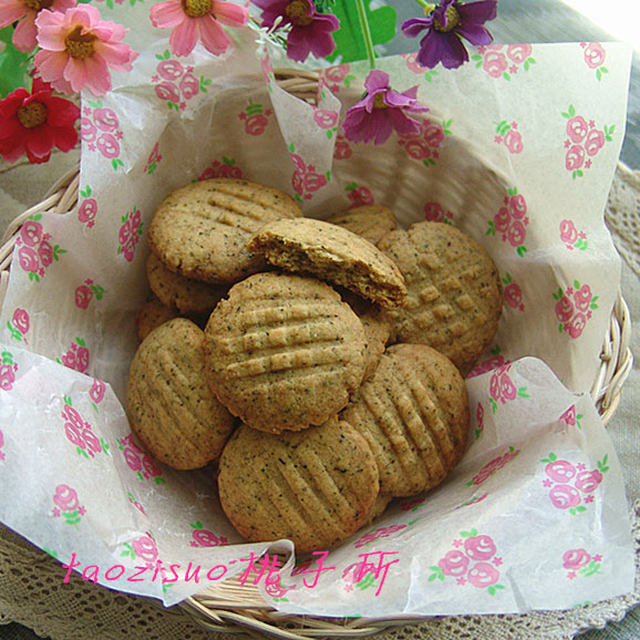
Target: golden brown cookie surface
(188,296)
(169,405)
(152,315)
(414,415)
(377,329)
(283,352)
(371,221)
(454,294)
(315,487)
(201,230)
(331,253)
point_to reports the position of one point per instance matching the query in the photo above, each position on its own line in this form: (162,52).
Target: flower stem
(366,32)
(424,3)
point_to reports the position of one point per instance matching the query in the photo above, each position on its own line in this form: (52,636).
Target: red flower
(33,123)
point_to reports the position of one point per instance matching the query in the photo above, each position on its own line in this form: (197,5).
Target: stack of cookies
(318,364)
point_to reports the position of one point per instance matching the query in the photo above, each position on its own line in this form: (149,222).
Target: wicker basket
(234,607)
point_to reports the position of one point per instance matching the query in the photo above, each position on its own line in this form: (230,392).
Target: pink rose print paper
(504,61)
(595,56)
(256,118)
(202,537)
(425,144)
(140,461)
(19,325)
(574,307)
(88,209)
(35,250)
(473,561)
(80,433)
(100,131)
(511,221)
(579,563)
(175,83)
(572,487)
(572,237)
(67,505)
(223,168)
(8,369)
(509,135)
(583,142)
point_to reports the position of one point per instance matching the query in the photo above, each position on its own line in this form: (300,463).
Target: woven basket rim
(231,606)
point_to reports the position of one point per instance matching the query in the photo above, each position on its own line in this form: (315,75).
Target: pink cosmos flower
(78,48)
(446,25)
(24,36)
(381,110)
(193,20)
(310,31)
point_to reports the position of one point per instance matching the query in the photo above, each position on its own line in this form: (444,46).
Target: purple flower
(446,25)
(381,110)
(310,31)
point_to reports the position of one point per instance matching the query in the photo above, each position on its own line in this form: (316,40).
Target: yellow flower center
(36,5)
(78,44)
(32,114)
(196,8)
(297,12)
(453,20)
(378,102)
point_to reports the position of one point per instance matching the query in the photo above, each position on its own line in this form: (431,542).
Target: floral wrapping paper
(518,149)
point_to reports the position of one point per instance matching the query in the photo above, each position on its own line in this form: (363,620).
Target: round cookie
(283,352)
(316,487)
(151,316)
(332,253)
(201,230)
(372,221)
(414,415)
(188,296)
(169,405)
(454,294)
(377,329)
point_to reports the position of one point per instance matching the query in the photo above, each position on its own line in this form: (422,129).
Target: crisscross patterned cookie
(316,487)
(414,415)
(201,230)
(454,294)
(284,352)
(169,405)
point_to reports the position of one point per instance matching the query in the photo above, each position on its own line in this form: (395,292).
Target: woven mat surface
(32,592)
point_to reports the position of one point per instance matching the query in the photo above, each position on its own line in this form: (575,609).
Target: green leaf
(13,65)
(522,392)
(349,40)
(469,534)
(506,76)
(572,111)
(521,250)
